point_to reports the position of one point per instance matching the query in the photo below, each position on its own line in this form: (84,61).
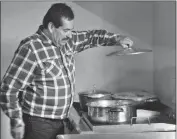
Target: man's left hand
(126,42)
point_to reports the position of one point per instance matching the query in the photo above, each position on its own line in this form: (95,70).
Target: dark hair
(56,13)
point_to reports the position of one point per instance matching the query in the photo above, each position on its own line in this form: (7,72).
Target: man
(43,69)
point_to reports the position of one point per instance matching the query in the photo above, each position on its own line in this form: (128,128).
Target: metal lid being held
(129,51)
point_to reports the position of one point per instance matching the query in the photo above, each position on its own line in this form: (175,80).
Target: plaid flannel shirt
(45,74)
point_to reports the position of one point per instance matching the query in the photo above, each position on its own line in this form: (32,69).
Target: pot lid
(134,95)
(92,92)
(129,51)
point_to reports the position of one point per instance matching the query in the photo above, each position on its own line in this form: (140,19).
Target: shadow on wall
(165,84)
(106,71)
(133,17)
(133,80)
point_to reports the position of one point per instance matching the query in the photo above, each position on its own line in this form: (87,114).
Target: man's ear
(50,27)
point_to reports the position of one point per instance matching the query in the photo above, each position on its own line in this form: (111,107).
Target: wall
(20,19)
(116,73)
(164,52)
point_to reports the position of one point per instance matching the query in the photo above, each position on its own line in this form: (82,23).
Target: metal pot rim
(102,95)
(115,105)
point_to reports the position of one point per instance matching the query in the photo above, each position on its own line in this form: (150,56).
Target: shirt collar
(44,37)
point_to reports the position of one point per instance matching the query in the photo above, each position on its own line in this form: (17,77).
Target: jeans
(42,128)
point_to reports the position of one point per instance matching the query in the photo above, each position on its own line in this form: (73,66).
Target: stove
(160,123)
(153,124)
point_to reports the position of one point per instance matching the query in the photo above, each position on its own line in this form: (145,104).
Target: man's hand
(126,42)
(17,132)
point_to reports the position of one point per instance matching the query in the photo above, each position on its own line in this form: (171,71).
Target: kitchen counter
(149,135)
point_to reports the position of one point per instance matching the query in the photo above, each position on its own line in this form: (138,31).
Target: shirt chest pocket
(69,58)
(51,68)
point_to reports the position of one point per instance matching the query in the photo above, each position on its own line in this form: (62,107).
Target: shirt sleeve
(87,39)
(18,76)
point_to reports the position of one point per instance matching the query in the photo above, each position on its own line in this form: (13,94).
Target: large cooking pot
(89,96)
(111,111)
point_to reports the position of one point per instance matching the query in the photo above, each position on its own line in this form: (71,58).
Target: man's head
(59,21)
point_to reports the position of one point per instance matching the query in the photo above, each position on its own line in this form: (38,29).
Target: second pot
(86,97)
(141,97)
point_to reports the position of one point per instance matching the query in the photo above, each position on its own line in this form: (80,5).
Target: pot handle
(113,116)
(151,100)
(116,110)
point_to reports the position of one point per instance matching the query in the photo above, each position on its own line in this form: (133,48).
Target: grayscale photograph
(88,70)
